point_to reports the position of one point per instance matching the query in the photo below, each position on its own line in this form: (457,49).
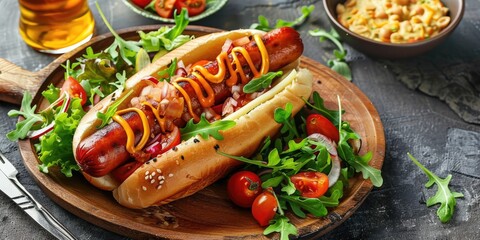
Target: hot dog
(162,108)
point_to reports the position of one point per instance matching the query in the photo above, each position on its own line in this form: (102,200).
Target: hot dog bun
(194,164)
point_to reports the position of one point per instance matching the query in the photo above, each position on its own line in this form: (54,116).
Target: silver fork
(25,200)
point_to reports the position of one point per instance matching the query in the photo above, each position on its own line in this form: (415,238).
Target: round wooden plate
(207,214)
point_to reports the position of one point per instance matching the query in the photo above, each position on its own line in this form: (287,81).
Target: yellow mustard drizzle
(130,146)
(203,76)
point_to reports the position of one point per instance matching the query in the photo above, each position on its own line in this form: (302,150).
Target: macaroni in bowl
(395,21)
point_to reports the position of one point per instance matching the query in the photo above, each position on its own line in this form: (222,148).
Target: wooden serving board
(208,214)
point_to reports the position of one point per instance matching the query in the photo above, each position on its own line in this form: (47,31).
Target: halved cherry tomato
(264,208)
(317,123)
(164,8)
(194,7)
(73,87)
(165,143)
(141,3)
(124,171)
(243,187)
(310,184)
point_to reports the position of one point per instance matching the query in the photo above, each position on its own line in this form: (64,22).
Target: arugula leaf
(128,49)
(340,67)
(284,116)
(360,163)
(444,196)
(282,225)
(121,81)
(336,193)
(205,128)
(111,110)
(289,187)
(319,106)
(261,82)
(312,205)
(181,22)
(167,73)
(90,54)
(338,64)
(264,25)
(166,38)
(31,118)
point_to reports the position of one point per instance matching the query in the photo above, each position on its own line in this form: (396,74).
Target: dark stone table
(429,107)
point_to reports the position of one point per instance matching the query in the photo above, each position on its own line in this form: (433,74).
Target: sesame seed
(160,177)
(183,158)
(175,148)
(170,175)
(176,161)
(159,171)
(196,140)
(216,147)
(147,172)
(153,180)
(144,188)
(146,177)
(162,181)
(159,186)
(153,174)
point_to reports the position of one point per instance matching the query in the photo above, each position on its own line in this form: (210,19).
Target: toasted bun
(194,164)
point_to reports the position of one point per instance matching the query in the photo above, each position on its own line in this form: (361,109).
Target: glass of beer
(55,26)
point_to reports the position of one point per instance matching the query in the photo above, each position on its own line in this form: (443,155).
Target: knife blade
(34,209)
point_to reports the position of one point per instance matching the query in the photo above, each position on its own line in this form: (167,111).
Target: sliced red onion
(331,148)
(154,149)
(181,72)
(40,132)
(66,104)
(65,98)
(334,173)
(329,144)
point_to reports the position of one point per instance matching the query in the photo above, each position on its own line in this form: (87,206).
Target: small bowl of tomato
(163,10)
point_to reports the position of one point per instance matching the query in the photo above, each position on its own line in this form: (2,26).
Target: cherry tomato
(310,184)
(165,143)
(317,123)
(264,208)
(141,3)
(243,187)
(72,87)
(164,8)
(194,7)
(124,171)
